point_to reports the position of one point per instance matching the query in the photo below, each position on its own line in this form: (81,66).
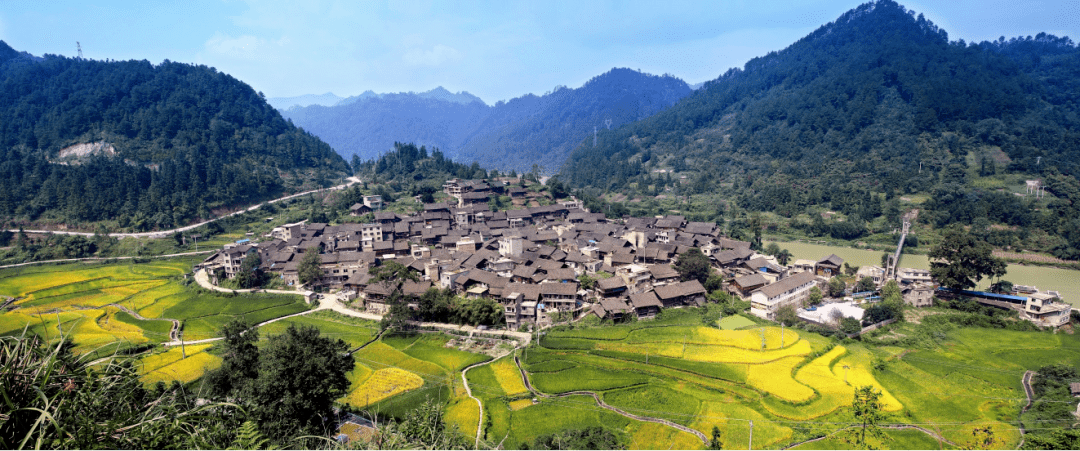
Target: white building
(789,291)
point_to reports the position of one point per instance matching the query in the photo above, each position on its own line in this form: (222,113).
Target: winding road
(164,233)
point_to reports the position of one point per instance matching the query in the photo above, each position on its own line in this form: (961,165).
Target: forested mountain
(877,104)
(508,135)
(139,145)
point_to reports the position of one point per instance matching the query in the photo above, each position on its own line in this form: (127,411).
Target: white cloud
(246,47)
(437,56)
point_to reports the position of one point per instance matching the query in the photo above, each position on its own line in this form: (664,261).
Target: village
(531,260)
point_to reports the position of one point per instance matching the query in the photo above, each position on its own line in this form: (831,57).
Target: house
(792,291)
(1046,310)
(801,265)
(876,273)
(829,266)
(683,293)
(562,296)
(913,276)
(614,308)
(359,209)
(745,285)
(373,202)
(646,305)
(663,275)
(611,287)
(918,294)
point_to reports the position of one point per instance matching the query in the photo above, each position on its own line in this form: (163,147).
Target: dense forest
(171,143)
(514,134)
(874,106)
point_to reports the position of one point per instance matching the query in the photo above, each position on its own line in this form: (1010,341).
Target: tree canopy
(961,260)
(693,265)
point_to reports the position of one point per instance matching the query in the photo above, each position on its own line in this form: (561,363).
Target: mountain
(508,135)
(284,103)
(141,146)
(876,104)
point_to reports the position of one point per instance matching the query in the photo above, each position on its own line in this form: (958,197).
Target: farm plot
(353,331)
(382,384)
(171,365)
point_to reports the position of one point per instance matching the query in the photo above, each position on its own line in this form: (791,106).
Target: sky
(496,50)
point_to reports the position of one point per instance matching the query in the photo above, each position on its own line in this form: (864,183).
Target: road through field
(331,302)
(164,233)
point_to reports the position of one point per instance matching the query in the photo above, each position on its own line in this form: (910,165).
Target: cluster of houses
(530,260)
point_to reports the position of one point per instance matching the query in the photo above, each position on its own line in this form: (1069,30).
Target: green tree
(867,409)
(714,282)
(395,274)
(301,374)
(865,284)
(783,257)
(836,287)
(961,260)
(693,265)
(786,315)
(309,270)
(815,296)
(849,325)
(714,441)
(239,364)
(250,275)
(772,249)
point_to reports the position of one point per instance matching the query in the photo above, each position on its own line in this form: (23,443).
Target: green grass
(655,400)
(157,330)
(735,322)
(583,377)
(330,324)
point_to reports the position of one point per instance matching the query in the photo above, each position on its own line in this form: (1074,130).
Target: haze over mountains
(508,135)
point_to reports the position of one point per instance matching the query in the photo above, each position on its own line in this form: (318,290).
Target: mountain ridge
(511,134)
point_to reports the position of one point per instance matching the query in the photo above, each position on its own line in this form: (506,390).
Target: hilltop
(144,146)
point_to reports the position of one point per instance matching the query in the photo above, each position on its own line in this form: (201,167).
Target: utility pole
(751,444)
(79,47)
(182,349)
(845,373)
(59,326)
(762,338)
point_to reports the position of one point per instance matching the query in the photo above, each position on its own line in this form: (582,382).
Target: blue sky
(496,50)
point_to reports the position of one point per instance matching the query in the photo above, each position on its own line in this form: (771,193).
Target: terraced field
(794,387)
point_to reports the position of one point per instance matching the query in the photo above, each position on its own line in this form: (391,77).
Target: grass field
(171,365)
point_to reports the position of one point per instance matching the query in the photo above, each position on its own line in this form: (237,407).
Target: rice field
(382,384)
(800,385)
(171,365)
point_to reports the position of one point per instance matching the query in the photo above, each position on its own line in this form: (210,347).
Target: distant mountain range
(508,135)
(284,103)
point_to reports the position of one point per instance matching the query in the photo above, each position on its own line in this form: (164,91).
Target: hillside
(872,106)
(135,145)
(508,135)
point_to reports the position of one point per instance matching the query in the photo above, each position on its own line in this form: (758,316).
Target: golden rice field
(464,414)
(775,378)
(171,365)
(382,384)
(508,376)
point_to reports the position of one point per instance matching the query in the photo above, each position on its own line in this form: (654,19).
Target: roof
(646,299)
(663,272)
(784,285)
(611,283)
(688,288)
(614,305)
(832,259)
(562,289)
(752,280)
